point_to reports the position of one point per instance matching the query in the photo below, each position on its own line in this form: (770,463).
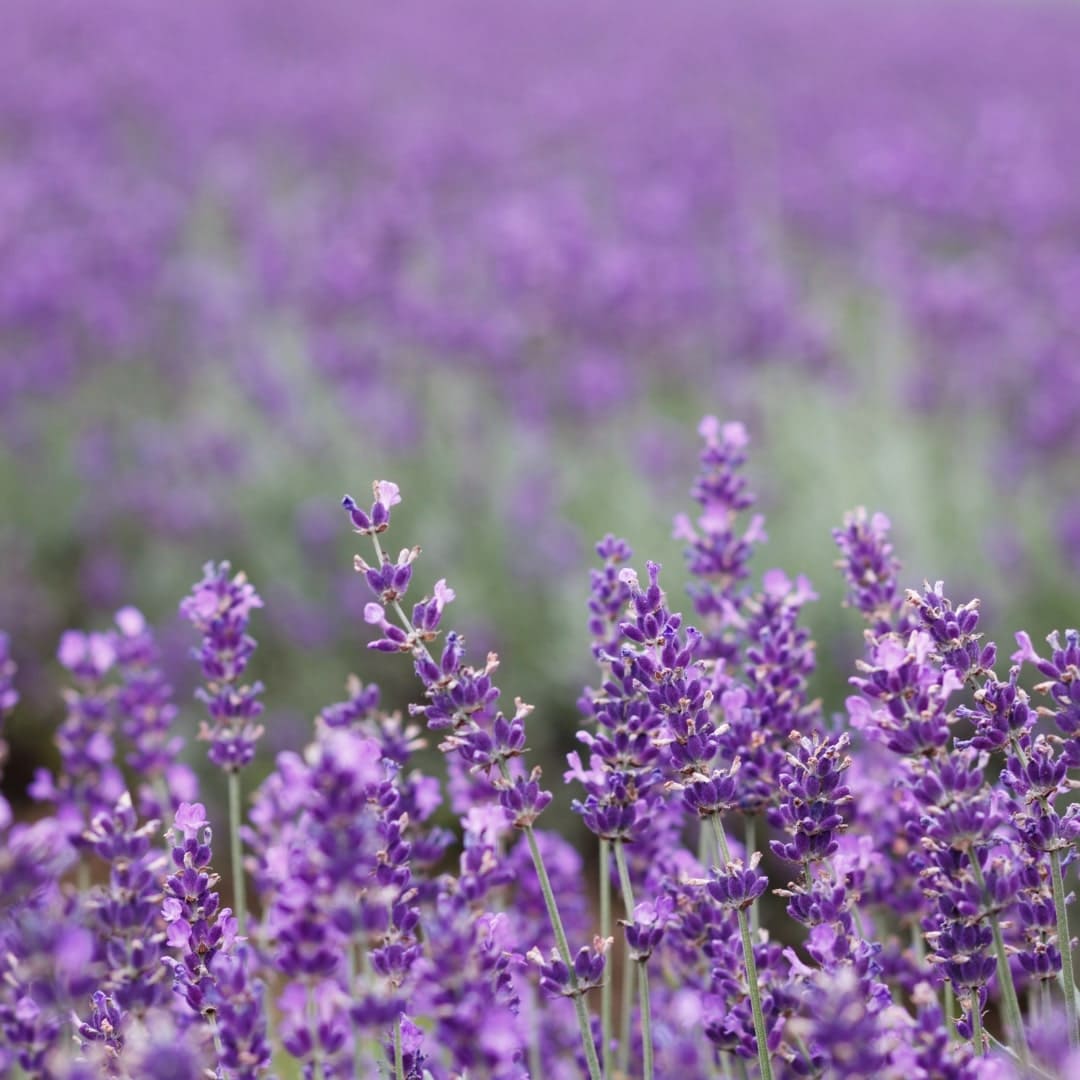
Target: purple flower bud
(736,885)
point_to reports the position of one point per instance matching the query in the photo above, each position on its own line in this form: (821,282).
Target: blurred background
(254,255)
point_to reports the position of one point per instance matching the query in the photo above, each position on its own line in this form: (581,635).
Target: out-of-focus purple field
(252,253)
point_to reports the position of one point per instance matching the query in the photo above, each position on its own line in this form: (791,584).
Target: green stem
(1061,913)
(977,1042)
(1032,1070)
(950,1010)
(399,1059)
(237,853)
(643,984)
(624,879)
(561,943)
(1064,945)
(918,945)
(703,842)
(1009,1001)
(219,1050)
(605,933)
(751,965)
(563,946)
(629,970)
(750,842)
(646,1021)
(350,990)
(313,1026)
(536,1064)
(549,896)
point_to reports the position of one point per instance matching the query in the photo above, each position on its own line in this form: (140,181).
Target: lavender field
(751,793)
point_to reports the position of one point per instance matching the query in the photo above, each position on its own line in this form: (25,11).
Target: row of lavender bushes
(242,259)
(920,843)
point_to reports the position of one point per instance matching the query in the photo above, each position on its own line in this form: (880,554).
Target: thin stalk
(313,1026)
(399,1059)
(1061,913)
(856,918)
(764,1064)
(561,942)
(977,1042)
(643,985)
(1033,1070)
(646,1021)
(536,1064)
(950,1011)
(563,946)
(703,842)
(629,969)
(350,989)
(1064,945)
(605,933)
(750,843)
(1009,1001)
(237,854)
(918,945)
(219,1050)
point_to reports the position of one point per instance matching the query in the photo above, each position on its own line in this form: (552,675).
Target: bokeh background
(254,255)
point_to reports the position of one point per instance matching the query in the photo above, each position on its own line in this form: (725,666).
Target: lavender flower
(462,703)
(89,781)
(125,913)
(871,569)
(219,607)
(719,552)
(147,712)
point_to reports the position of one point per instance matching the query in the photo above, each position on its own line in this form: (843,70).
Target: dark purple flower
(737,886)
(377,520)
(557,980)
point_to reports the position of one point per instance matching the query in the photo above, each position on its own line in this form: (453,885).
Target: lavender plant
(418,924)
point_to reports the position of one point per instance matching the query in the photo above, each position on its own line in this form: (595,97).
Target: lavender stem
(399,1061)
(643,991)
(538,862)
(1009,1000)
(1064,945)
(751,965)
(563,946)
(237,853)
(750,843)
(605,932)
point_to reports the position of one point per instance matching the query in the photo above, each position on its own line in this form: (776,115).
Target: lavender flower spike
(219,607)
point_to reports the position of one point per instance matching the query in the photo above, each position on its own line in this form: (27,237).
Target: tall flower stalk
(462,704)
(220,607)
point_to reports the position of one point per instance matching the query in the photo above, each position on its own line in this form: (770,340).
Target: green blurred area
(820,446)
